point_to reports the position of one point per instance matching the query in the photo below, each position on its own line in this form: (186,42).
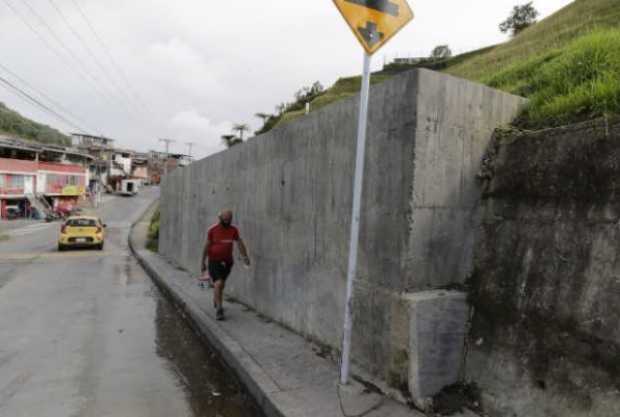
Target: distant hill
(567,64)
(14,124)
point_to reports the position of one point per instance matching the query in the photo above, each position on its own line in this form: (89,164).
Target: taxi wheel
(100,246)
(61,248)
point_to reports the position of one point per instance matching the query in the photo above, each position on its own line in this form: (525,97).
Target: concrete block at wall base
(437,328)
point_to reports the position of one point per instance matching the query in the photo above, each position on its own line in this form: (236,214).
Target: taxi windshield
(82,223)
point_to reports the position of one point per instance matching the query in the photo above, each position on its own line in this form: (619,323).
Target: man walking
(219,251)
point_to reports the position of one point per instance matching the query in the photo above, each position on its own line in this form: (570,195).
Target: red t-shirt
(221,238)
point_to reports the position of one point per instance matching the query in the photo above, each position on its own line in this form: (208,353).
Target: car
(82,232)
(13,212)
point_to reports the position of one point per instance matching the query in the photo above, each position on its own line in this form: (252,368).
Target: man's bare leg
(218,291)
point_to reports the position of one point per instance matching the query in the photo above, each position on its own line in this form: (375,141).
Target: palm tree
(264,116)
(231,140)
(241,128)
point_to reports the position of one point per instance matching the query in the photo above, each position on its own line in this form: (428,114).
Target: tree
(264,116)
(268,121)
(520,19)
(231,140)
(306,94)
(441,52)
(280,108)
(317,88)
(241,128)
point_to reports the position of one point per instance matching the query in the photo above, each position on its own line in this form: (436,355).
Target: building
(37,177)
(161,162)
(109,166)
(140,167)
(62,184)
(81,140)
(17,179)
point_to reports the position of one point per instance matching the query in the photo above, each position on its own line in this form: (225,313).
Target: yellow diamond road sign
(375,22)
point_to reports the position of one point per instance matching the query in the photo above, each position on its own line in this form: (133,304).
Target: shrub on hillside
(153,235)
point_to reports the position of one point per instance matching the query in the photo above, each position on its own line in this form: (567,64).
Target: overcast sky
(197,66)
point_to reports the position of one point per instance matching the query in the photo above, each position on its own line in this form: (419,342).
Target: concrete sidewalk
(279,368)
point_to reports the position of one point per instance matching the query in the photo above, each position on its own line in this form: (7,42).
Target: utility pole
(190,145)
(167,142)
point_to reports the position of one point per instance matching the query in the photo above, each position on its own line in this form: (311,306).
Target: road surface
(85,333)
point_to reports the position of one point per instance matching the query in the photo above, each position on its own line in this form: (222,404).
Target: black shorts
(219,270)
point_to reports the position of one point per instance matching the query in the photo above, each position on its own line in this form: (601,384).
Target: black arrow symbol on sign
(384,6)
(370,34)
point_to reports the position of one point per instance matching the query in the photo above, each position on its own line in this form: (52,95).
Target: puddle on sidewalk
(212,389)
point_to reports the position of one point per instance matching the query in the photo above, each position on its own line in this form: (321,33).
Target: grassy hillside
(554,32)
(14,124)
(577,82)
(567,64)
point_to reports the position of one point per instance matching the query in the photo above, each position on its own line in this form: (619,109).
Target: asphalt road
(85,333)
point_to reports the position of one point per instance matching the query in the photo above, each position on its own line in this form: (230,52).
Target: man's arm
(205,253)
(244,251)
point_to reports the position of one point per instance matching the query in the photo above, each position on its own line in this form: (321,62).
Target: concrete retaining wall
(291,193)
(546,337)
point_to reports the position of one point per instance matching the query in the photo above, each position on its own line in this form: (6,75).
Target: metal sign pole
(355,219)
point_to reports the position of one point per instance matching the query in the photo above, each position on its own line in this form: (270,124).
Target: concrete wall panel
(546,287)
(291,193)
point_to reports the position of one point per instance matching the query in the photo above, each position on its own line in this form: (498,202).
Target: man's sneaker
(220,314)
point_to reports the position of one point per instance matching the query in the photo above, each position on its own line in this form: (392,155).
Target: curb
(250,374)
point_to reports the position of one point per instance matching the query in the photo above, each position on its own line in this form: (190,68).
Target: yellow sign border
(379,20)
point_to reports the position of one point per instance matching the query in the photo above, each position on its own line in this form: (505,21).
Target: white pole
(355,219)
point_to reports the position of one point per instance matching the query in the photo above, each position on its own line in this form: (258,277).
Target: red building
(20,181)
(17,178)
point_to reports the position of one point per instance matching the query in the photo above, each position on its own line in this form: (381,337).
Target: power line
(68,50)
(44,95)
(113,63)
(24,95)
(190,145)
(53,49)
(90,52)
(82,66)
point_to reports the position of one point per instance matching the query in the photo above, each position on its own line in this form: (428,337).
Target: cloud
(198,65)
(201,130)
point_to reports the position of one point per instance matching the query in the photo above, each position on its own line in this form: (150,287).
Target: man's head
(226,217)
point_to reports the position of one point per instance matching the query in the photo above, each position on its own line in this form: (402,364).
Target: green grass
(152,242)
(578,82)
(555,32)
(343,88)
(4,238)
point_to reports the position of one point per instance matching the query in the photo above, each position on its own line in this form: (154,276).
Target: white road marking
(28,230)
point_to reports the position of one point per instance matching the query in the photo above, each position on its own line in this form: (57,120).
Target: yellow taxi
(82,232)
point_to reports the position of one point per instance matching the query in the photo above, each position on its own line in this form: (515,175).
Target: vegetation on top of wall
(14,124)
(578,82)
(555,32)
(558,43)
(152,242)
(343,88)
